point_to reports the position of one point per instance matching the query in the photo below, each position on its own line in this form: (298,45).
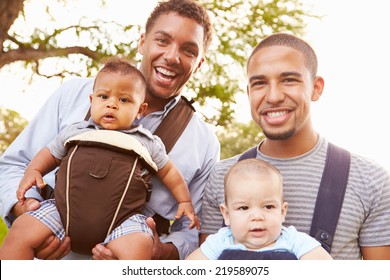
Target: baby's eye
(243,208)
(123,100)
(269,207)
(103,96)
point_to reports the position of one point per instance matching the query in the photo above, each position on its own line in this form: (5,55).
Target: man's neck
(156,104)
(292,147)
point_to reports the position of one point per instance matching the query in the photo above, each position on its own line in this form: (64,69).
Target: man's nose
(172,54)
(275,94)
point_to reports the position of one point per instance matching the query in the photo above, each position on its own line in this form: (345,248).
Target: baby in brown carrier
(103,181)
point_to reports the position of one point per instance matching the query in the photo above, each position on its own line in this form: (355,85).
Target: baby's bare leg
(26,234)
(133,246)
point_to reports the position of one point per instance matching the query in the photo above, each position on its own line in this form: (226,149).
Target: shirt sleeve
(375,230)
(300,242)
(56,146)
(212,248)
(58,111)
(158,152)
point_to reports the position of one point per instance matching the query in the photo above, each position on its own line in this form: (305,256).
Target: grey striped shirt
(365,215)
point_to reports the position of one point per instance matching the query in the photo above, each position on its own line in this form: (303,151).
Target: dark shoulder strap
(251,153)
(175,122)
(330,195)
(169,130)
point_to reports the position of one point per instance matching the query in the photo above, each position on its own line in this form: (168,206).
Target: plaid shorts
(49,215)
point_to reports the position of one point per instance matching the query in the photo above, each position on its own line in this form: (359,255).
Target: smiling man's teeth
(165,72)
(276,114)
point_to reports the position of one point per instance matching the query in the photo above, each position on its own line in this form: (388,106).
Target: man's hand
(161,251)
(52,248)
(157,245)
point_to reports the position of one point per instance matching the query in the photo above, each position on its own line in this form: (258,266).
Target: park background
(350,37)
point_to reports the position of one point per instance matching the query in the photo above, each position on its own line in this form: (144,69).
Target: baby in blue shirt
(254,212)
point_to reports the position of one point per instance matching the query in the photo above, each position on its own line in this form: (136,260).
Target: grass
(3,231)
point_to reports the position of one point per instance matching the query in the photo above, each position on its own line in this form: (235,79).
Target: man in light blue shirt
(173,48)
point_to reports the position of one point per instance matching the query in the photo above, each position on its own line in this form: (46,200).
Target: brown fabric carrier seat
(100,183)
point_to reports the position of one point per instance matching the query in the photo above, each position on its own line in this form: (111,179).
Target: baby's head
(254,207)
(118,94)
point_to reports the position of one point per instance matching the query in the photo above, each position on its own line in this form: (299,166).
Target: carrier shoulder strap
(251,153)
(332,190)
(169,130)
(174,123)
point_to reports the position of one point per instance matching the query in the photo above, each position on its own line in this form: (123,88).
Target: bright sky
(352,44)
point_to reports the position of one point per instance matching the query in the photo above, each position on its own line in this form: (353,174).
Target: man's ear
(318,88)
(142,110)
(141,43)
(199,64)
(225,213)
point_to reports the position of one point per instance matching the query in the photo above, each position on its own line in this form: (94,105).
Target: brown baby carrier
(105,178)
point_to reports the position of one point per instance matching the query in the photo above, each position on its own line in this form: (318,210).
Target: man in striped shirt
(282,83)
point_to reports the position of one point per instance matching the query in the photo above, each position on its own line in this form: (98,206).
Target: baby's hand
(186,208)
(30,178)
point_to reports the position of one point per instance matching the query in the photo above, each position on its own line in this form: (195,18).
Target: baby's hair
(247,168)
(124,66)
(121,65)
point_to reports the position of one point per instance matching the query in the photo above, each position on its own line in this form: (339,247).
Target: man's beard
(281,135)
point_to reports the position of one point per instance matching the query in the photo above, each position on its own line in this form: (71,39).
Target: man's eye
(190,52)
(258,83)
(289,80)
(162,41)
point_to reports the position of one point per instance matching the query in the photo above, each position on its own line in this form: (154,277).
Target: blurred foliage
(11,124)
(236,137)
(76,47)
(3,231)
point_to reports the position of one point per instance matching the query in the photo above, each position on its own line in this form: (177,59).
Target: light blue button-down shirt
(195,153)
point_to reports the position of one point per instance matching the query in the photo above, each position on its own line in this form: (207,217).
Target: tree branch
(9,11)
(30,54)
